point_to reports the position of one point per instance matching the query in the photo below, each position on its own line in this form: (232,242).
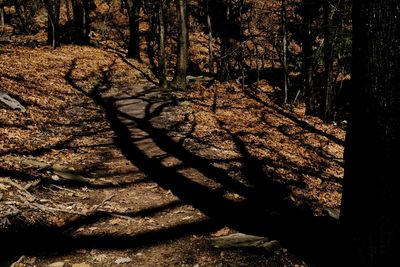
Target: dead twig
(95,208)
(18,262)
(14,212)
(32,184)
(64,209)
(66,189)
(28,195)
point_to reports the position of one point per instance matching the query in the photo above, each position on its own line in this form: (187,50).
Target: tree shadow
(303,124)
(264,210)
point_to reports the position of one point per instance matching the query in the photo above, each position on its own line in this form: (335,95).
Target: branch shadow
(303,124)
(265,210)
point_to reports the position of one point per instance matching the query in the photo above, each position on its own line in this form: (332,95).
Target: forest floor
(106,169)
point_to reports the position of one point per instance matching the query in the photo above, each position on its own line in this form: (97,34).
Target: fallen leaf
(100,257)
(115,221)
(221,232)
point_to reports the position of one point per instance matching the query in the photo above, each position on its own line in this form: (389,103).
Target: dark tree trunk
(134,38)
(151,37)
(86,21)
(81,11)
(210,41)
(183,45)
(2,20)
(241,3)
(371,201)
(226,44)
(309,90)
(53,22)
(284,49)
(162,72)
(328,62)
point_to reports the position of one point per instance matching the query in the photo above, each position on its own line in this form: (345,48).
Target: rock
(122,260)
(7,101)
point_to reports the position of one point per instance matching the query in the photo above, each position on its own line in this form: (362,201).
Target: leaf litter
(62,126)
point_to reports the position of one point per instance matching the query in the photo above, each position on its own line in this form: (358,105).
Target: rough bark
(134,33)
(2,26)
(81,22)
(68,9)
(369,212)
(210,41)
(284,49)
(328,62)
(53,22)
(226,45)
(151,36)
(162,72)
(309,90)
(183,45)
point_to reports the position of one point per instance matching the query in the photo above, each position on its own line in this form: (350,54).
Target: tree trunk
(68,10)
(53,22)
(284,49)
(210,41)
(162,72)
(134,38)
(225,65)
(328,62)
(152,34)
(309,90)
(2,27)
(241,3)
(369,212)
(183,45)
(86,21)
(80,11)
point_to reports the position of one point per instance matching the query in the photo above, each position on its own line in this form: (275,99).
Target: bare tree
(309,90)
(284,48)
(81,20)
(2,26)
(369,211)
(162,72)
(210,40)
(183,45)
(53,22)
(328,61)
(134,38)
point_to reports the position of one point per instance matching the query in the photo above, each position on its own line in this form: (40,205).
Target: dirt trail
(156,191)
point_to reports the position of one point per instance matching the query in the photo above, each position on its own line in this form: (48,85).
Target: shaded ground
(162,171)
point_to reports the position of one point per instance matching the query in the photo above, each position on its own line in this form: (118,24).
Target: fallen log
(59,172)
(6,101)
(240,240)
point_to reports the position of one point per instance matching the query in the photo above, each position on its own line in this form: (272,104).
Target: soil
(148,176)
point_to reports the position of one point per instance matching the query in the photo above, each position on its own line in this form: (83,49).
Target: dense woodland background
(252,97)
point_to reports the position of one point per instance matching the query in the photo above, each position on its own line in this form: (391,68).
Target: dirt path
(160,177)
